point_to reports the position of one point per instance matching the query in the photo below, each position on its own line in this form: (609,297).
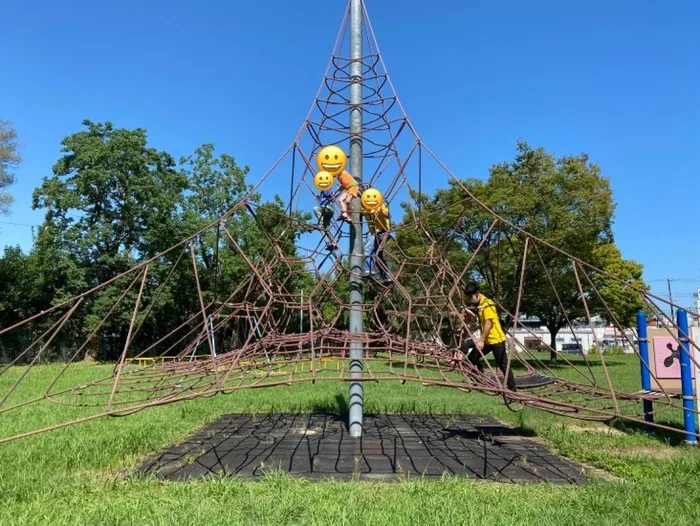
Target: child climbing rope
(333,160)
(324,211)
(379,222)
(351,188)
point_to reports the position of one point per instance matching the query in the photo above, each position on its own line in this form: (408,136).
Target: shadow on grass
(667,436)
(338,406)
(561,364)
(518,365)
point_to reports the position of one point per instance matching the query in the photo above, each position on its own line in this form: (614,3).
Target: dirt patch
(659,452)
(306,432)
(593,471)
(596,430)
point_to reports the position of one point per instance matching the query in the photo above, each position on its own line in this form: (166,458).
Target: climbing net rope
(286,320)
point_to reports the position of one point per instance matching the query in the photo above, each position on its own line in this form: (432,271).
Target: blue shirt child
(325,198)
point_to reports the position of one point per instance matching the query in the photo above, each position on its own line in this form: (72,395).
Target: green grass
(77,475)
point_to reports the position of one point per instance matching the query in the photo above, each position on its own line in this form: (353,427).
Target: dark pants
(374,250)
(499,352)
(324,214)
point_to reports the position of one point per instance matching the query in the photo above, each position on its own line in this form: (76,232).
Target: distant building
(531,334)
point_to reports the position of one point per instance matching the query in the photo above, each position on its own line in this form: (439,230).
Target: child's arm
(488,324)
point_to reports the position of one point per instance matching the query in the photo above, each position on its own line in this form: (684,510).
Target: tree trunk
(553,331)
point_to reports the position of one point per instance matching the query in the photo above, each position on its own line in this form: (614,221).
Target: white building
(530,335)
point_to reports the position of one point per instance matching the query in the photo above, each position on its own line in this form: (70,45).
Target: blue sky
(617,79)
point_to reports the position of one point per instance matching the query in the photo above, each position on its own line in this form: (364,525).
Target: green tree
(109,198)
(568,204)
(114,202)
(20,297)
(9,159)
(215,185)
(617,295)
(262,233)
(106,193)
(431,256)
(563,202)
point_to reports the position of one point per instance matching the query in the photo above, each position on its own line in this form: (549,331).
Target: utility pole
(670,297)
(355,416)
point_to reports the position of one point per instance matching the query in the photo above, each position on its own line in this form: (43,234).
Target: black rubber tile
(393,447)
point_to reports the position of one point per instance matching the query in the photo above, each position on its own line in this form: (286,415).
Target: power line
(680,280)
(17,224)
(677,295)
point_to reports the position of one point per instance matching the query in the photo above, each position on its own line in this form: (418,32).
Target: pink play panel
(662,353)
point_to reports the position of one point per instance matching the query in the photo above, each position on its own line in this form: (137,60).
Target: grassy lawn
(77,475)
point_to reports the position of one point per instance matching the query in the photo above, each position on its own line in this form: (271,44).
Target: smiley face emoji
(331,159)
(371,199)
(323,181)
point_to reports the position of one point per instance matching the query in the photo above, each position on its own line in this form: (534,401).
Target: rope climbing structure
(288,320)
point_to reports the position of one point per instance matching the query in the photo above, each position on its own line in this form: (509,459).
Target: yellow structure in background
(147,361)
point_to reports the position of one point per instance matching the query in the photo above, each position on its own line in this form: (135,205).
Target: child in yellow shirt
(379,223)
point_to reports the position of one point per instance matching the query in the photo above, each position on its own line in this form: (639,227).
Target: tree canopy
(114,202)
(9,159)
(562,202)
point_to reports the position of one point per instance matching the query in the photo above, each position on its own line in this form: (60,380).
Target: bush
(614,351)
(609,351)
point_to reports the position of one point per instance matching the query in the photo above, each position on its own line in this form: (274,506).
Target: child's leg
(318,213)
(475,355)
(348,200)
(464,349)
(380,240)
(370,249)
(327,214)
(499,351)
(343,201)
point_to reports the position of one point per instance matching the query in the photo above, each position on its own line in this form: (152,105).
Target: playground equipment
(353,329)
(668,368)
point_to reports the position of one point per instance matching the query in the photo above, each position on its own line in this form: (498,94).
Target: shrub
(614,351)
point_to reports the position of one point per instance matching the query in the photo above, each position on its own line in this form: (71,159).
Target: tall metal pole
(644,363)
(670,296)
(356,251)
(686,377)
